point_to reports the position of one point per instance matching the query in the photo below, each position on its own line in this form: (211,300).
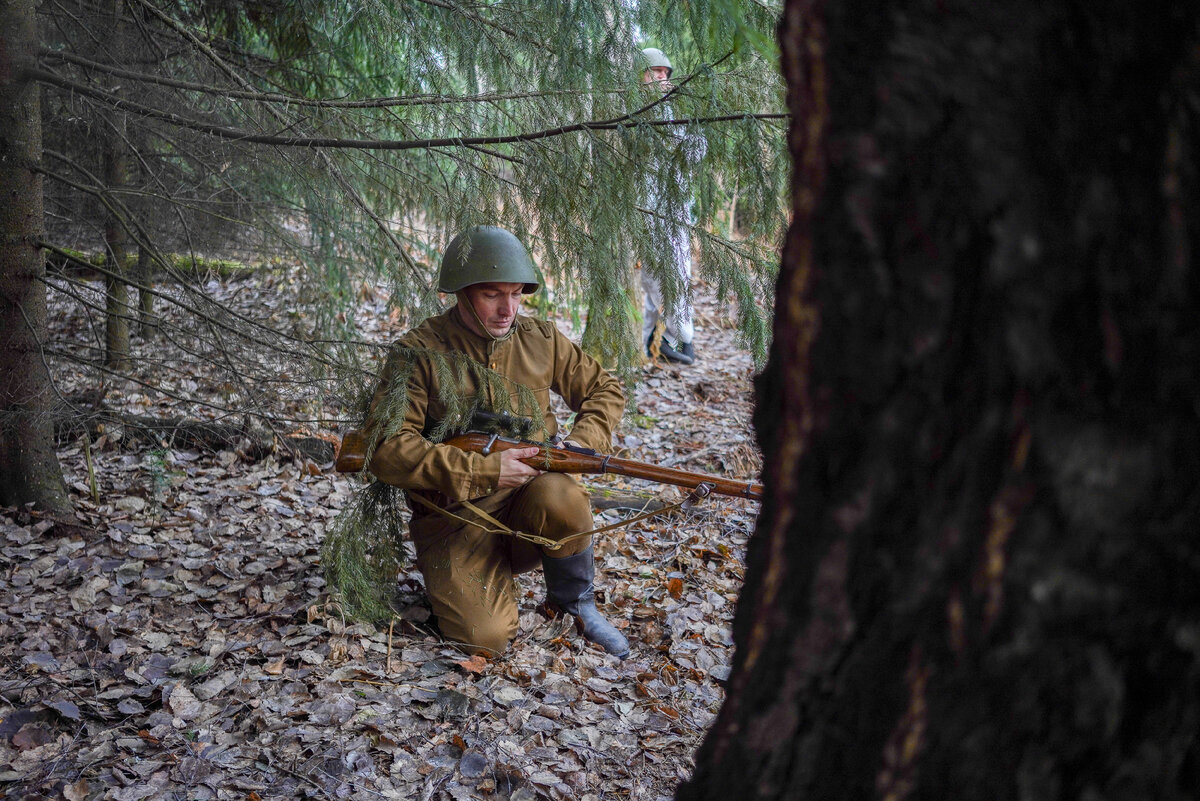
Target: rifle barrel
(683,478)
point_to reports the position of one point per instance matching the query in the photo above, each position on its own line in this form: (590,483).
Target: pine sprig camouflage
(363,550)
(464,386)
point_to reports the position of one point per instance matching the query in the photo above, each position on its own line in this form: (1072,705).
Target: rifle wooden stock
(352,454)
(566,460)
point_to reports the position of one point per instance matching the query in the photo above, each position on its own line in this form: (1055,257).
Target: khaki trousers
(469,572)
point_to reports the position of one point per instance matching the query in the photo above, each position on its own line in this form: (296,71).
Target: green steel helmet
(653,57)
(483,254)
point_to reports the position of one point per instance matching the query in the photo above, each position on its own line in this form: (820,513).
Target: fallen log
(250,442)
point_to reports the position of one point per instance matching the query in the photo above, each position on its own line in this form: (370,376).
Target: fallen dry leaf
(77,791)
(32,735)
(476,664)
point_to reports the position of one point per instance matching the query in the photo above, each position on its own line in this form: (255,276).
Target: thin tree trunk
(29,469)
(977,571)
(118,311)
(145,277)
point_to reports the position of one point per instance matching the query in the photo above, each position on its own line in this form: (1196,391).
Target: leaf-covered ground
(178,642)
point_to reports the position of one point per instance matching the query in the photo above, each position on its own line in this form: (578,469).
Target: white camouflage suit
(678,327)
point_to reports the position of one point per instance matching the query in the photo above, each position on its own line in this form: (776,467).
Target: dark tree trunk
(118,311)
(977,570)
(29,470)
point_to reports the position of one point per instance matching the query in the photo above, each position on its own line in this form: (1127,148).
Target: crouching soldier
(467,567)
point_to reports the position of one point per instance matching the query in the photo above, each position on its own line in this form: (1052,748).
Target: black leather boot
(667,352)
(689,350)
(569,589)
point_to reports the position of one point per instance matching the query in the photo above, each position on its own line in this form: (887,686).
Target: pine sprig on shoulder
(464,386)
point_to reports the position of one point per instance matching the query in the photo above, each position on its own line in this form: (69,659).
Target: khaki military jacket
(535,354)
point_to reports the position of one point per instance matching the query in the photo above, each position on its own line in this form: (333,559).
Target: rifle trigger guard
(487,449)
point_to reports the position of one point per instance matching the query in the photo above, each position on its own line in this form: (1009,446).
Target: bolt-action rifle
(483,438)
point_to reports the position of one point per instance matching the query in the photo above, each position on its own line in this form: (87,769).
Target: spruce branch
(120,103)
(346,185)
(48,55)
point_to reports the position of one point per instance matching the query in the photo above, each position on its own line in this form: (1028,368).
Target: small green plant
(643,420)
(156,466)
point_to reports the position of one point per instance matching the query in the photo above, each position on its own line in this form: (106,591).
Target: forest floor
(177,641)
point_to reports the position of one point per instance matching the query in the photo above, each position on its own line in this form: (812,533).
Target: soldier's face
(656,75)
(495,304)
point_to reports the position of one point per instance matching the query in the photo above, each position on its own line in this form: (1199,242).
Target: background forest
(225,213)
(182,142)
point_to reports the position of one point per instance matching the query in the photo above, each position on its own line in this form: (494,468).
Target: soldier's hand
(514,472)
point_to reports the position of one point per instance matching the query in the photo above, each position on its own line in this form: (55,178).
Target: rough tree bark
(977,571)
(29,469)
